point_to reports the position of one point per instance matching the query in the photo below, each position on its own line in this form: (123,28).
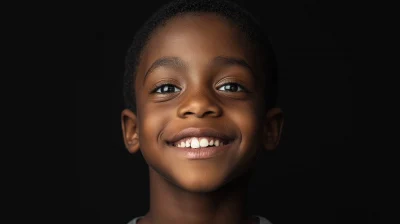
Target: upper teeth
(197,142)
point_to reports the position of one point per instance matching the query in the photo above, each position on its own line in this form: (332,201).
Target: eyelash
(234,83)
(159,86)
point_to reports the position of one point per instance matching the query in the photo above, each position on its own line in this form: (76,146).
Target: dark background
(317,175)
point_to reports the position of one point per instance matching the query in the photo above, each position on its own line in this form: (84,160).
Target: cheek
(250,127)
(151,123)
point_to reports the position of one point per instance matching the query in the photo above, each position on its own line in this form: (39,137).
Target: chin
(201,184)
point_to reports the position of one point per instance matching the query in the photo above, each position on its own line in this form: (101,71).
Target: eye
(166,88)
(232,87)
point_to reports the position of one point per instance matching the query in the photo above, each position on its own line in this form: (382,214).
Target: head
(201,64)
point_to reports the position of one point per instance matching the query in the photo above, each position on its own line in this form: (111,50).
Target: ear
(273,125)
(130,130)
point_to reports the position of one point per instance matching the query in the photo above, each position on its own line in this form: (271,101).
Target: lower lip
(203,153)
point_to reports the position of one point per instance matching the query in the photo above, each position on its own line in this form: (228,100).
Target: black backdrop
(315,176)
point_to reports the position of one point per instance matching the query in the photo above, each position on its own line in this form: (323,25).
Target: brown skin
(208,190)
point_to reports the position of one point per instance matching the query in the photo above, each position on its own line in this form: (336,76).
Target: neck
(172,204)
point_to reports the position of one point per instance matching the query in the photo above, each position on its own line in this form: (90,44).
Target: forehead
(197,39)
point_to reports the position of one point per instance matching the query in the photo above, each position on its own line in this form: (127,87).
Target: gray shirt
(262,220)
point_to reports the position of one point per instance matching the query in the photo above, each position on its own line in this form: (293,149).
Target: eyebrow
(171,62)
(178,63)
(227,61)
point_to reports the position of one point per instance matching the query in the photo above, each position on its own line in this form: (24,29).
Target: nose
(199,103)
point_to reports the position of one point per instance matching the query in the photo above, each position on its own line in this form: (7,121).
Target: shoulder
(263,220)
(134,221)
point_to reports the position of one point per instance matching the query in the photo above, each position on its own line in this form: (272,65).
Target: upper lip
(198,132)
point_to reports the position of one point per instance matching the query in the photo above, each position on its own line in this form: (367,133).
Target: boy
(202,76)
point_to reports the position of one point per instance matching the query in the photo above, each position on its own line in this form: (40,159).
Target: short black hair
(226,9)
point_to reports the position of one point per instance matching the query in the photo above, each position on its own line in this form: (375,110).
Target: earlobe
(273,128)
(130,130)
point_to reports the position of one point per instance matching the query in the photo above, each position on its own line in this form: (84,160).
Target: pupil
(232,87)
(168,88)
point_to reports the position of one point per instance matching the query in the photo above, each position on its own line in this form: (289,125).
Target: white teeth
(203,142)
(187,143)
(195,143)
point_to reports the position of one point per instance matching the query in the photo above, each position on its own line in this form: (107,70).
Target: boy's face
(204,53)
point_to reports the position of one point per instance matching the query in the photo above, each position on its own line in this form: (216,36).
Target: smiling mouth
(200,142)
